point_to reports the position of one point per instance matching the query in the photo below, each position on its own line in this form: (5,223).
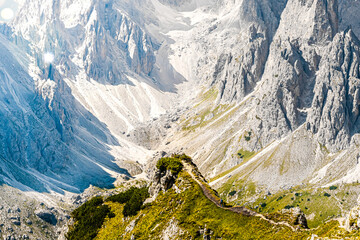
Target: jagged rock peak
(335,110)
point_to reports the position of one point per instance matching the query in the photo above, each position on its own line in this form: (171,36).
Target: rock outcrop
(352,220)
(46,216)
(297,217)
(289,78)
(161,181)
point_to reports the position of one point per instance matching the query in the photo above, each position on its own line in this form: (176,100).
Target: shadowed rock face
(296,216)
(46,216)
(112,35)
(111,44)
(283,48)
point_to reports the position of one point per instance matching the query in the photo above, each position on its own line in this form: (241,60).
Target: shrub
(263,205)
(333,187)
(122,197)
(327,195)
(88,219)
(248,137)
(132,207)
(133,199)
(173,164)
(289,206)
(232,193)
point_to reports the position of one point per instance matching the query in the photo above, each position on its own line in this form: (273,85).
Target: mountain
(87,100)
(264,95)
(283,88)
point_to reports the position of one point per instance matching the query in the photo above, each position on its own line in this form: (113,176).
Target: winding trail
(240,210)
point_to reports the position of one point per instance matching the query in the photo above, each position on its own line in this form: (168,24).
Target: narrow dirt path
(240,210)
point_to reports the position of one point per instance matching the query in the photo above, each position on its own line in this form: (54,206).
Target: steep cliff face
(348,15)
(287,85)
(39,135)
(302,57)
(101,35)
(335,109)
(29,134)
(112,36)
(240,67)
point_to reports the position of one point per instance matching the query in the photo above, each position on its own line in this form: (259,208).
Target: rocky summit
(99,97)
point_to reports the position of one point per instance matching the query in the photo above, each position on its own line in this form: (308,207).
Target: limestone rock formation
(161,181)
(335,109)
(352,219)
(296,216)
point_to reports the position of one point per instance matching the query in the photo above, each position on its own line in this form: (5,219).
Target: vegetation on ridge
(88,219)
(133,199)
(190,213)
(185,211)
(173,164)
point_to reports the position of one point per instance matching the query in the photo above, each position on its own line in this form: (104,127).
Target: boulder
(46,216)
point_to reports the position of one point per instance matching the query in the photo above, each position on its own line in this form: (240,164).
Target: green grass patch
(246,155)
(313,202)
(201,120)
(208,96)
(246,191)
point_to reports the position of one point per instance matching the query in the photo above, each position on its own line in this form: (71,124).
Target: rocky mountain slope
(93,92)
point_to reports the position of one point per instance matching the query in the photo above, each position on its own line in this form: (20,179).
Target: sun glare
(7,13)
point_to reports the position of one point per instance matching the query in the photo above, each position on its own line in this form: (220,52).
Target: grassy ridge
(184,212)
(191,211)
